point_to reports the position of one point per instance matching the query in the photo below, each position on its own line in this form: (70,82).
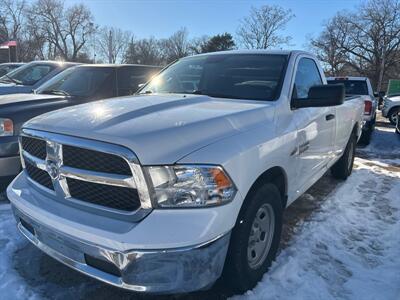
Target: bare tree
(197,44)
(368,39)
(327,47)
(112,43)
(262,28)
(144,51)
(11,18)
(176,46)
(66,30)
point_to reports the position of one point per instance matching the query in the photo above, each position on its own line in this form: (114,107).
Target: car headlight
(6,127)
(190,186)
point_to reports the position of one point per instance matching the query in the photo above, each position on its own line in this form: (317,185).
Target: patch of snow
(349,249)
(12,286)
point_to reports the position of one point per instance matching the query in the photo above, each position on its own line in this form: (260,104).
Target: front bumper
(178,270)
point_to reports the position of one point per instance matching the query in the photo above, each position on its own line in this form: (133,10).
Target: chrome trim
(33,160)
(98,177)
(198,266)
(59,173)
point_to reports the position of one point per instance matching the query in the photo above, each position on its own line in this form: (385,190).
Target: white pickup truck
(361,86)
(168,190)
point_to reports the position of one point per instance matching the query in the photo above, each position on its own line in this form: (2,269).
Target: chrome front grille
(96,174)
(35,147)
(95,161)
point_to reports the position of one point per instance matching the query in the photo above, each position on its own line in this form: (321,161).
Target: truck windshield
(28,74)
(78,81)
(352,87)
(236,76)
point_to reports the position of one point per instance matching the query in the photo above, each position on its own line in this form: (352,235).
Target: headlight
(6,127)
(190,186)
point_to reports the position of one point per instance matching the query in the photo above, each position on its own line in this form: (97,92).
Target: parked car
(165,191)
(76,85)
(8,67)
(391,108)
(30,76)
(361,86)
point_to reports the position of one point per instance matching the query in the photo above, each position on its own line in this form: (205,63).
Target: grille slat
(107,195)
(94,161)
(35,147)
(40,176)
(119,198)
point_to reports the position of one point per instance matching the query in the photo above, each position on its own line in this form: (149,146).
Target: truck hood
(394,99)
(160,129)
(23,98)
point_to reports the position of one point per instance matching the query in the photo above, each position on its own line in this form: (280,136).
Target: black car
(31,76)
(76,85)
(8,67)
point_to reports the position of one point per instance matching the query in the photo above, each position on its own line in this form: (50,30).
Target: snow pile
(350,249)
(11,285)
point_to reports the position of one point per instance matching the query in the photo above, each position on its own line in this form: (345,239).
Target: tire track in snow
(349,249)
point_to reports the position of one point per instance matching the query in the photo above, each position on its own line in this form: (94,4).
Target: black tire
(238,274)
(392,115)
(344,166)
(365,138)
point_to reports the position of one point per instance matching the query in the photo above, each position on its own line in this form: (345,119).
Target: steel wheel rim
(261,236)
(394,117)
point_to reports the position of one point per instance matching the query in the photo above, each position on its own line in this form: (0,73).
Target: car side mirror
(322,96)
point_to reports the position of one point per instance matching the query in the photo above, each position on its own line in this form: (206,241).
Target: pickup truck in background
(391,108)
(30,76)
(76,85)
(361,86)
(168,190)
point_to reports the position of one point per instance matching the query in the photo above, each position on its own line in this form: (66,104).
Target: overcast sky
(162,18)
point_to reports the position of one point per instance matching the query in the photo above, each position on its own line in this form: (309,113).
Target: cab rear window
(352,87)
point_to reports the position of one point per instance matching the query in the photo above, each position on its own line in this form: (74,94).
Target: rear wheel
(344,166)
(392,115)
(255,239)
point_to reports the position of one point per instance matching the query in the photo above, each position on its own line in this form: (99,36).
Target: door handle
(329,117)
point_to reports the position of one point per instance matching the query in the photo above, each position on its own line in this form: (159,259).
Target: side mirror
(376,94)
(322,96)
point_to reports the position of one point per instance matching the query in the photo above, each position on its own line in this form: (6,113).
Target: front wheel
(344,166)
(393,115)
(255,239)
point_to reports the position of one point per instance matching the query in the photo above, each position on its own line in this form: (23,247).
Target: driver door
(315,127)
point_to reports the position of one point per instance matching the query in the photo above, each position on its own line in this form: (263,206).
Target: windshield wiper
(13,80)
(56,92)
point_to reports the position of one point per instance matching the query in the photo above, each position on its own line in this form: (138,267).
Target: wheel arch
(275,175)
(393,108)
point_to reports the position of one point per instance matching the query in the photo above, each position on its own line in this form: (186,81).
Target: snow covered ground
(341,241)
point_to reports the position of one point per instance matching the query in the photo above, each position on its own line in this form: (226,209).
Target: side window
(129,79)
(307,75)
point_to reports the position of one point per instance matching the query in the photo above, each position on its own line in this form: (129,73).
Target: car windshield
(4,69)
(28,74)
(352,87)
(237,76)
(78,81)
